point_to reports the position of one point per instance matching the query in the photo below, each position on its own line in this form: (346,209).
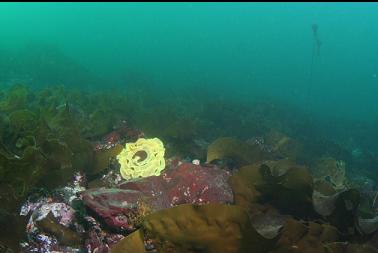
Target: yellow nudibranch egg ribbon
(142,158)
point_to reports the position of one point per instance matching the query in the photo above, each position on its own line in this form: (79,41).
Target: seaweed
(47,135)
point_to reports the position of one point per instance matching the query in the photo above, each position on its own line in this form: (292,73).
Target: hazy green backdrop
(235,50)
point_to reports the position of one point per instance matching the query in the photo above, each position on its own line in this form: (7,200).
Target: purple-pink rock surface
(182,183)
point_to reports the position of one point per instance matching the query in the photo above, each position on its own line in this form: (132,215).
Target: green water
(237,50)
(299,78)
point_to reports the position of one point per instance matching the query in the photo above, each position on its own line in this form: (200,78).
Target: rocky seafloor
(237,178)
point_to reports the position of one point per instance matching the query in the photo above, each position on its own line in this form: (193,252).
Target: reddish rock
(114,206)
(101,241)
(196,185)
(122,133)
(186,184)
(182,184)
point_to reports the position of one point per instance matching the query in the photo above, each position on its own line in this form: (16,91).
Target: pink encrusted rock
(114,206)
(186,184)
(120,134)
(181,184)
(193,184)
(101,241)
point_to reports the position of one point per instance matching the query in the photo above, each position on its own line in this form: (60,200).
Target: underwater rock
(47,136)
(211,228)
(109,180)
(118,208)
(101,241)
(282,183)
(54,219)
(230,148)
(62,213)
(122,133)
(186,183)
